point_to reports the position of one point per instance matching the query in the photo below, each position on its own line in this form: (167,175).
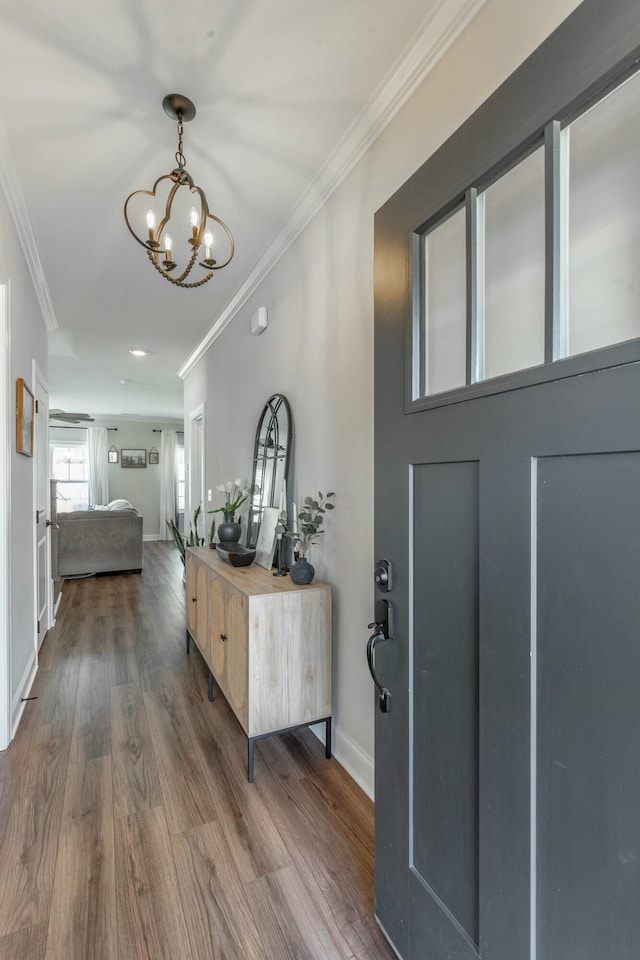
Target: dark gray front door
(515,678)
(508,767)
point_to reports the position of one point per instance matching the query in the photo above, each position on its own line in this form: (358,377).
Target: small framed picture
(112,455)
(266,544)
(24,418)
(133,458)
(154,456)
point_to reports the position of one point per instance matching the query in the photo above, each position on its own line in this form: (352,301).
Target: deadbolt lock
(384,575)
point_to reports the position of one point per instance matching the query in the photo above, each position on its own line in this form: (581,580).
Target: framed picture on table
(25,409)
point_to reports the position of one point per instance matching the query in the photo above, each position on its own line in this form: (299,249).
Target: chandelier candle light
(200,226)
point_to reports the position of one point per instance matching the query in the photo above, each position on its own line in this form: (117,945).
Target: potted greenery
(236,492)
(307,532)
(193,540)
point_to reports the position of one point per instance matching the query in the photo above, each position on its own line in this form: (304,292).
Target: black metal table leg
(250,760)
(188,643)
(327,739)
(211,697)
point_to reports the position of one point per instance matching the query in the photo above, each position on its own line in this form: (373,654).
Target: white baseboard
(150,536)
(24,688)
(349,755)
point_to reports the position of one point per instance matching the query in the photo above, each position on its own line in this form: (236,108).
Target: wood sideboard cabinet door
(236,673)
(217,627)
(203,577)
(191,597)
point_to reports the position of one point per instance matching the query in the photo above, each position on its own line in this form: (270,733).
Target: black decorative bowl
(244,559)
(236,554)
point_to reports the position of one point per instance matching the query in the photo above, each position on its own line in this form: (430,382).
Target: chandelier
(195,230)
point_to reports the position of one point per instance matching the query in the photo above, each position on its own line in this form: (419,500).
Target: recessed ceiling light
(138,353)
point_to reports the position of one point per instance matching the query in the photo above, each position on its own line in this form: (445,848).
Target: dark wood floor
(127,827)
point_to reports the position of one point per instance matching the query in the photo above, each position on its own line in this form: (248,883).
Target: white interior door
(5,529)
(44,588)
(196,461)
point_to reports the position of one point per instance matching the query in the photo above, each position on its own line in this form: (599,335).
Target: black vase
(302,572)
(229,531)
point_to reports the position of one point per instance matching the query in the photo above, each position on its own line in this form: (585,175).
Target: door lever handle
(50,523)
(384,696)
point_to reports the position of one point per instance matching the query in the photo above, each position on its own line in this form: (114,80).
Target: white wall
(318,349)
(141,486)
(28,342)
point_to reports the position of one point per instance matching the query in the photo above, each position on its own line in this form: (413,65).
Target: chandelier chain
(180,160)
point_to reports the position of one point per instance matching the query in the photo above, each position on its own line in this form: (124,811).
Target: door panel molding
(589,716)
(444,691)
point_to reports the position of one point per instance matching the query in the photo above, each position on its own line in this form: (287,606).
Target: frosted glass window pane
(514,258)
(446,305)
(69,463)
(60,463)
(60,471)
(72,496)
(76,471)
(604,222)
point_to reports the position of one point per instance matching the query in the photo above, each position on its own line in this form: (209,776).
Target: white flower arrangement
(236,492)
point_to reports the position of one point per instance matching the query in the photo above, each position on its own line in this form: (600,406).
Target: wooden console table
(266,641)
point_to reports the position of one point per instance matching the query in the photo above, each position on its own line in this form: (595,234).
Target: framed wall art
(133,458)
(25,408)
(112,455)
(154,456)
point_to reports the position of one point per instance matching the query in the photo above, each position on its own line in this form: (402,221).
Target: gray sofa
(97,541)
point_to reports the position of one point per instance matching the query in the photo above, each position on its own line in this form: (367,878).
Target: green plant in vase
(236,492)
(193,540)
(307,532)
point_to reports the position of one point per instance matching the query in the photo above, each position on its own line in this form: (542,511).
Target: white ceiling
(277,84)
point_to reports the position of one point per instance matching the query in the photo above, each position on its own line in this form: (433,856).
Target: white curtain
(167,482)
(98,462)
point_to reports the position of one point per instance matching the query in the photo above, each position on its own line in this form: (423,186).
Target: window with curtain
(169,513)
(70,467)
(180,478)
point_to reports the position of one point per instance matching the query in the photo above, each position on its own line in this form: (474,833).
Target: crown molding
(12,189)
(437,34)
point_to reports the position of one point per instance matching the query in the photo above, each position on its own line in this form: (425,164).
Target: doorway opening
(195,468)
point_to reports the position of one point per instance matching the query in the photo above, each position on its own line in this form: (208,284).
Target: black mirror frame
(270,410)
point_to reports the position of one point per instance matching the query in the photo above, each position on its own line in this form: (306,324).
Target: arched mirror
(271,458)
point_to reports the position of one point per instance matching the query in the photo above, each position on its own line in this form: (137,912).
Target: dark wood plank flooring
(128,830)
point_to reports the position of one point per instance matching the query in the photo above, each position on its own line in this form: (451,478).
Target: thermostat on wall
(259,321)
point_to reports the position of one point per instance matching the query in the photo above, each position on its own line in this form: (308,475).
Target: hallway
(127,826)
